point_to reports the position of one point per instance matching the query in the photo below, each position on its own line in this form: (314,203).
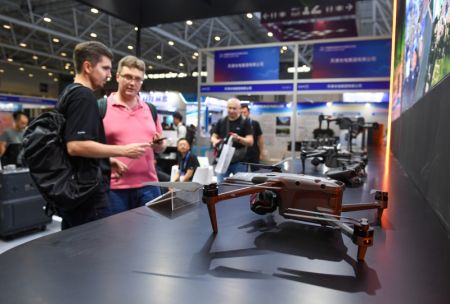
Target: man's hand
(135,150)
(118,168)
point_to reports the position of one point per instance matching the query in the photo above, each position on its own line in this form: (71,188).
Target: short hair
(91,51)
(17,114)
(131,62)
(181,139)
(245,106)
(178,116)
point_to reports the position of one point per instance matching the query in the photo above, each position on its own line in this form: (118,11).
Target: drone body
(299,197)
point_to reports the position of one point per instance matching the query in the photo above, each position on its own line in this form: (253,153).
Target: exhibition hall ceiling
(41,34)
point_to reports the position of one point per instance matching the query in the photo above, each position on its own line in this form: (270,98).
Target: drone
(297,197)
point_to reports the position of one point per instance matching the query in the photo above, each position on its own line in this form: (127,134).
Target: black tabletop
(151,256)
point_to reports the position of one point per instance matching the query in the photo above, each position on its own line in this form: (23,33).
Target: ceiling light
(159,57)
(217,38)
(7,26)
(284,48)
(189,22)
(55,79)
(50,74)
(10,60)
(136,28)
(55,40)
(43,67)
(2,71)
(21,69)
(130,47)
(150,67)
(47,19)
(30,75)
(71,72)
(64,54)
(195,53)
(23,44)
(249,15)
(94,10)
(93,35)
(270,34)
(171,42)
(35,57)
(181,64)
(193,57)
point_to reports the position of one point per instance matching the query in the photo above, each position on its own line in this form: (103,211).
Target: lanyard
(184,164)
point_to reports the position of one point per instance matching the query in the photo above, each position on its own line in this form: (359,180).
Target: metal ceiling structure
(41,34)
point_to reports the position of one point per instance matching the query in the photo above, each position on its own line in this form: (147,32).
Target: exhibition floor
(149,256)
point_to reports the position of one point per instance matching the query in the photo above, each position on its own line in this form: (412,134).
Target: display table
(151,256)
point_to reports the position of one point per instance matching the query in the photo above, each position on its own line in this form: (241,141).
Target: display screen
(422,51)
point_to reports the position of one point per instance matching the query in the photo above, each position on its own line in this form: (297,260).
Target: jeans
(96,207)
(233,168)
(121,200)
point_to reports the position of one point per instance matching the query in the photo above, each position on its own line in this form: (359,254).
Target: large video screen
(422,54)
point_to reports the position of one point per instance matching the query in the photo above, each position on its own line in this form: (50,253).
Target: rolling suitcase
(21,205)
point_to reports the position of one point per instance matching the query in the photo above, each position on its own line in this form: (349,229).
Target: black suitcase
(21,205)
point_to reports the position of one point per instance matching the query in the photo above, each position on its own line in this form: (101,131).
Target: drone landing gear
(361,234)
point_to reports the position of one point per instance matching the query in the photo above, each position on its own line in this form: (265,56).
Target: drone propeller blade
(187,186)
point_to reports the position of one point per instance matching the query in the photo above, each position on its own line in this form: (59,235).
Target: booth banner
(286,87)
(247,64)
(323,29)
(370,58)
(324,9)
(344,86)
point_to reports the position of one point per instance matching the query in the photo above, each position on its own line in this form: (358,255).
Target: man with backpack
(240,129)
(129,119)
(85,136)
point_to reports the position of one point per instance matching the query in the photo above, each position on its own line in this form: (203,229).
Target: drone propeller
(187,186)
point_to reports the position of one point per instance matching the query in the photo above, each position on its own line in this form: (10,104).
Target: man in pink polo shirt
(128,119)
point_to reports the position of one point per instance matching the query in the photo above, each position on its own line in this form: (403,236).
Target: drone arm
(211,197)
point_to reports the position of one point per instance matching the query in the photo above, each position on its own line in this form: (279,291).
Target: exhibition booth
(335,78)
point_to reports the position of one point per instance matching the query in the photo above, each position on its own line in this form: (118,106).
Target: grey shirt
(12,136)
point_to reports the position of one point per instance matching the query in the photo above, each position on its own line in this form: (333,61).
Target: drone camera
(263,202)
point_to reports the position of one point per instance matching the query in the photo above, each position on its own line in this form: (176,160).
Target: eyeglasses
(130,78)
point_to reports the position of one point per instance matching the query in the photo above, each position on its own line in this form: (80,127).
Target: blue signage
(247,64)
(26,99)
(371,58)
(344,86)
(286,87)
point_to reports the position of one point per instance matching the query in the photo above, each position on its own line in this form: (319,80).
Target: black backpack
(102,106)
(46,156)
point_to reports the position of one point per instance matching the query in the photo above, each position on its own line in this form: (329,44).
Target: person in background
(187,162)
(85,135)
(240,129)
(13,136)
(255,153)
(129,119)
(179,127)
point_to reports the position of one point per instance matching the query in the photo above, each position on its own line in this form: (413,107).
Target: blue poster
(371,58)
(247,64)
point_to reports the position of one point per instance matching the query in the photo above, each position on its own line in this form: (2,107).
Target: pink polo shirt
(125,127)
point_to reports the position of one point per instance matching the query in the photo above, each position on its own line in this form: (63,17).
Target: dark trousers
(96,207)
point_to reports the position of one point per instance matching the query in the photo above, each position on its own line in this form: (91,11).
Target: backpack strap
(102,106)
(66,91)
(153,110)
